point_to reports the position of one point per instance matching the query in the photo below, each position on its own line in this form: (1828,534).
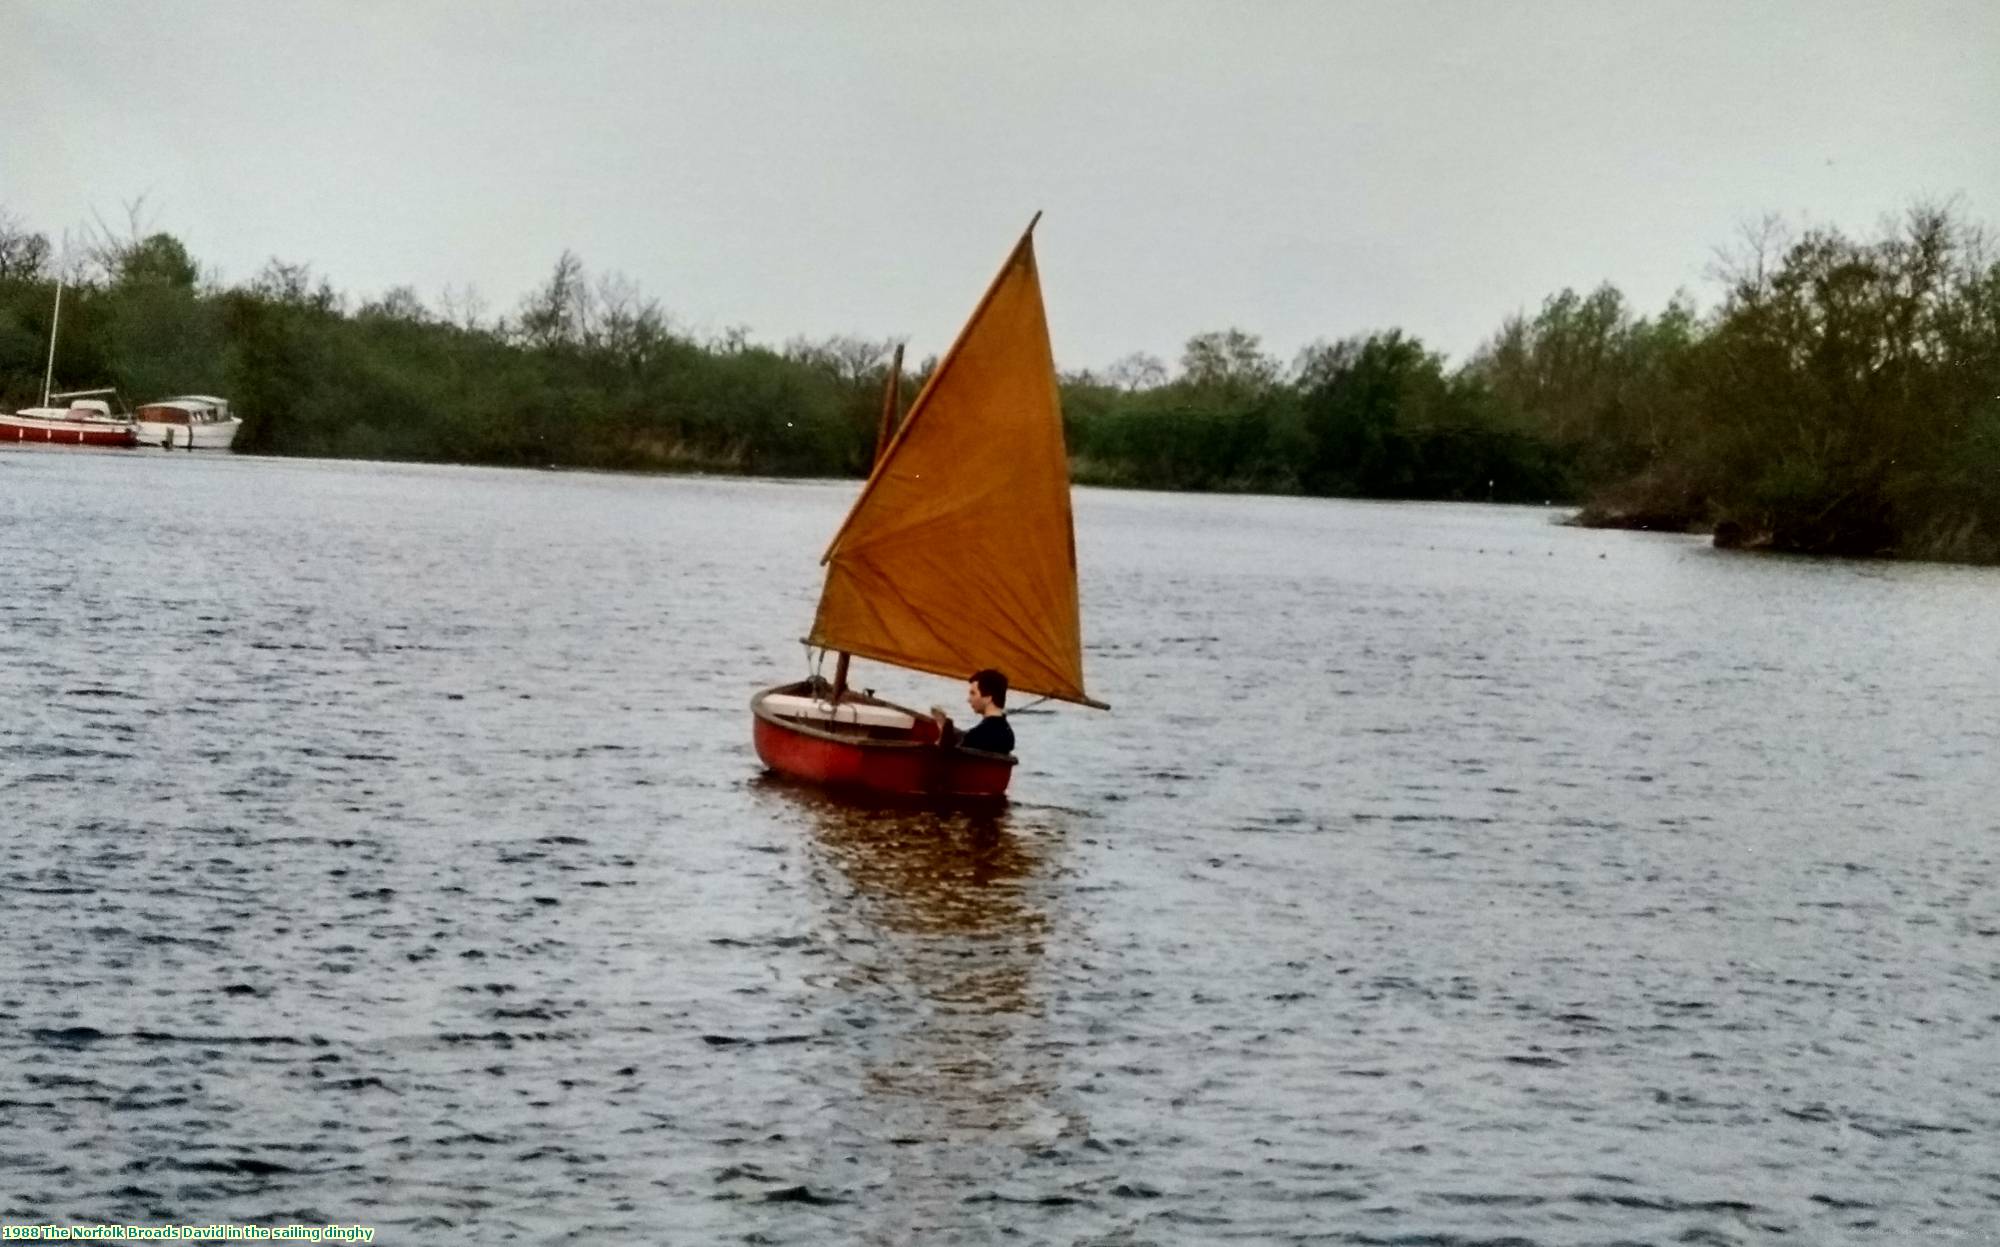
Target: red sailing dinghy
(959,554)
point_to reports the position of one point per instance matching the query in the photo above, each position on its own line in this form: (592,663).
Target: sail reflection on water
(939,921)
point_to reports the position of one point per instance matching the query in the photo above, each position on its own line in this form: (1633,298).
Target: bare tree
(398,303)
(629,326)
(558,313)
(1228,357)
(291,283)
(852,360)
(1746,264)
(465,308)
(1137,371)
(109,249)
(24,255)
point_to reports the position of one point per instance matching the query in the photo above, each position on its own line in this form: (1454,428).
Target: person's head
(986,690)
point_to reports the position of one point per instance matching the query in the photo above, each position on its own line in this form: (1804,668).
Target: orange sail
(960,553)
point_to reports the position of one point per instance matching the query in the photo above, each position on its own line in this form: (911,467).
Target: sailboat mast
(892,393)
(48,375)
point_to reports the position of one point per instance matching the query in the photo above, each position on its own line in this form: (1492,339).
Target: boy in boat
(986,693)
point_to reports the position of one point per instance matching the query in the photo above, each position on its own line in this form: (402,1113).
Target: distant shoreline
(1840,400)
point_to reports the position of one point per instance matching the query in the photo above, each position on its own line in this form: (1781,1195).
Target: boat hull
(17,428)
(219,435)
(889,761)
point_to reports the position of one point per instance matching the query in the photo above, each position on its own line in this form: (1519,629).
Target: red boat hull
(893,763)
(67,432)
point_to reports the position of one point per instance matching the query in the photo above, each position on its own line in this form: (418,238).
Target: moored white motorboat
(189,422)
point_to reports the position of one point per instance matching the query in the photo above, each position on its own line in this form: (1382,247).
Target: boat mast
(49,374)
(892,393)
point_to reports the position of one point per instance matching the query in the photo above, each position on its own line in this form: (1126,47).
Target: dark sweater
(992,735)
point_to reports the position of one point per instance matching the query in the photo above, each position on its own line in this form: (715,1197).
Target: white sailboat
(85,419)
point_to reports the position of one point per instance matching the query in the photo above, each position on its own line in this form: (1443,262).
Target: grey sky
(1300,170)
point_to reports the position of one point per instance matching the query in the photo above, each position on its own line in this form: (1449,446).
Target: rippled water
(383,845)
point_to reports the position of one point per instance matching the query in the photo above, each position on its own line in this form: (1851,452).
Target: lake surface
(383,845)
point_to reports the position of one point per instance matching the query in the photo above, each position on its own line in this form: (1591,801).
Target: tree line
(1842,396)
